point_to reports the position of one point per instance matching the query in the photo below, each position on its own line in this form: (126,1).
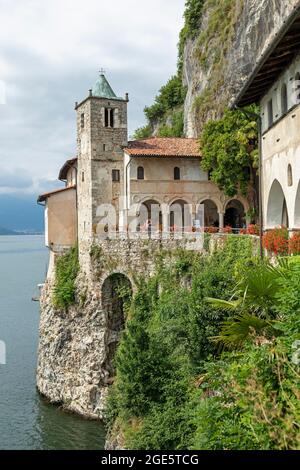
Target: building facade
(118,186)
(275,84)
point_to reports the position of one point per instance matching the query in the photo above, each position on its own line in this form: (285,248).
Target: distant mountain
(5,231)
(21,214)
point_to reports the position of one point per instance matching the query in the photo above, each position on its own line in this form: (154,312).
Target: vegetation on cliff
(197,373)
(167,111)
(166,114)
(213,42)
(66,272)
(213,38)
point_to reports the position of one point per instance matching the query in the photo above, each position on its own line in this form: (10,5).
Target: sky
(50,56)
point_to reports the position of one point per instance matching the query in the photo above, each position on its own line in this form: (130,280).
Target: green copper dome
(102,89)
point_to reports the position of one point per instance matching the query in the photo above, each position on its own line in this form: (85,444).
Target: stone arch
(150,215)
(215,200)
(180,216)
(186,199)
(235,214)
(297,209)
(115,291)
(277,213)
(211,213)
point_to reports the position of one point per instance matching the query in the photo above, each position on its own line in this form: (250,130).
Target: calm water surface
(26,421)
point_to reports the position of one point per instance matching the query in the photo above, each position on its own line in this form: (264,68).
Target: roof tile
(164,147)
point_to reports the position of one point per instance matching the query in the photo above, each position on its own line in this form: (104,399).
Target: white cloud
(50,54)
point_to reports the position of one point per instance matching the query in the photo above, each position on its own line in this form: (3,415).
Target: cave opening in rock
(116,292)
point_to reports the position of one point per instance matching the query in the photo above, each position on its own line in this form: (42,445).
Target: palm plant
(252,304)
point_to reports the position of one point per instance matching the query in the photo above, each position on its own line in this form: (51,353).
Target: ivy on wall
(229,151)
(66,272)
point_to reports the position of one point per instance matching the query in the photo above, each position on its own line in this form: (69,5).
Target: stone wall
(76,346)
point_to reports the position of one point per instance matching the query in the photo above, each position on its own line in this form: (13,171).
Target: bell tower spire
(101,136)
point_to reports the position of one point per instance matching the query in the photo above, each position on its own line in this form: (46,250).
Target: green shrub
(166,342)
(170,97)
(229,151)
(66,271)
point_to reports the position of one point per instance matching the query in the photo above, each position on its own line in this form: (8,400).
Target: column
(221,220)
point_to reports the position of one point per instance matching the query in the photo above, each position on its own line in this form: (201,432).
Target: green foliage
(250,399)
(66,271)
(96,252)
(176,127)
(143,132)
(176,390)
(166,339)
(228,151)
(170,97)
(192,17)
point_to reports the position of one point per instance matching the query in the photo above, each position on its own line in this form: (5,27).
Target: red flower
(276,241)
(294,244)
(211,230)
(227,229)
(253,229)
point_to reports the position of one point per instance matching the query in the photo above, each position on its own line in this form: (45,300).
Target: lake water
(27,421)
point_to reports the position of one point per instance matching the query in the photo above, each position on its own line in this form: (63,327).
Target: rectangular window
(104,148)
(82,120)
(109,117)
(116,176)
(112,118)
(82,176)
(106,117)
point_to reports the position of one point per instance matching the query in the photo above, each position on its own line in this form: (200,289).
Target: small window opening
(270,113)
(176,173)
(140,173)
(116,175)
(284,99)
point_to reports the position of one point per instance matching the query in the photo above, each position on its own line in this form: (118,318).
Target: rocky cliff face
(215,69)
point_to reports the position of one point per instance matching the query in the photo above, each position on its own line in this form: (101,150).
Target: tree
(229,151)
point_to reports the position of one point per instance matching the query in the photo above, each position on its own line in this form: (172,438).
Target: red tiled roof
(64,169)
(164,147)
(44,196)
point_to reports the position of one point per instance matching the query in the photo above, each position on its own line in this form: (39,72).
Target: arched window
(270,113)
(140,173)
(176,173)
(290,175)
(284,99)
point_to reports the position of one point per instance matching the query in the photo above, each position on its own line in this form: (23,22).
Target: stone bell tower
(101,135)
